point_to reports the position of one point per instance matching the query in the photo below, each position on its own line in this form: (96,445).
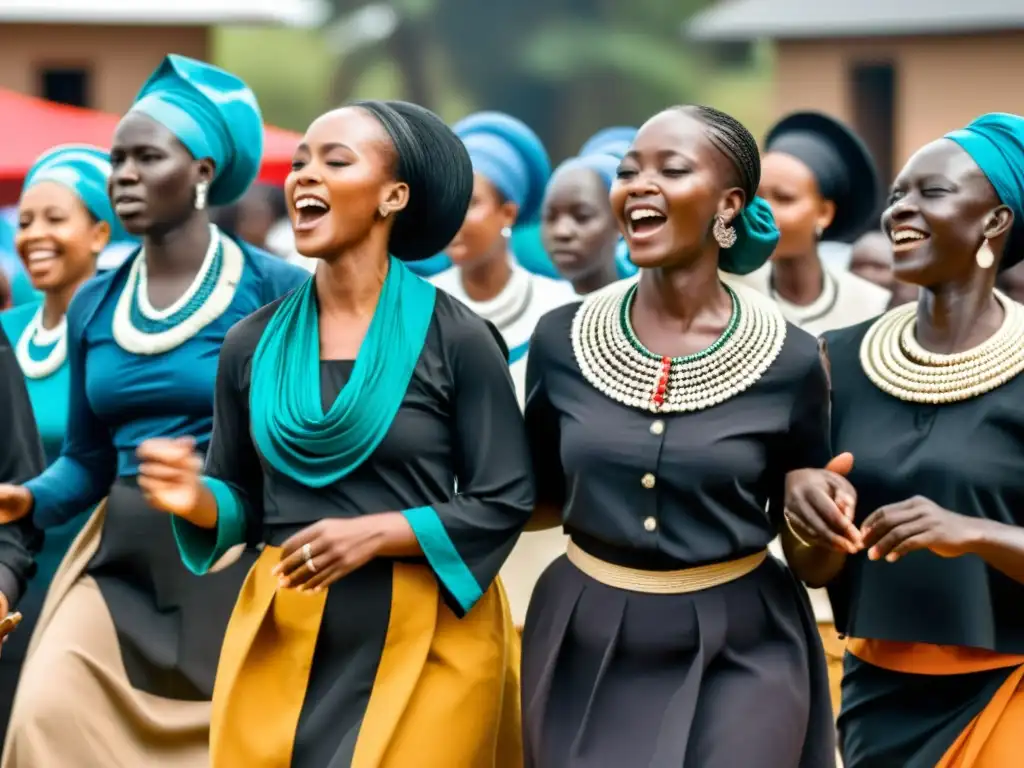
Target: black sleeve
(21,458)
(467,539)
(542,420)
(233,472)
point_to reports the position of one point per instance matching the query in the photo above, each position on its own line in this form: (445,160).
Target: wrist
(394,535)
(203,512)
(981,536)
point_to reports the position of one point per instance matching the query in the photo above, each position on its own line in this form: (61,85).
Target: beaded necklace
(896,363)
(615,362)
(141,329)
(53,340)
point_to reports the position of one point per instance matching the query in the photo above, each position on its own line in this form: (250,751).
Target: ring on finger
(307,554)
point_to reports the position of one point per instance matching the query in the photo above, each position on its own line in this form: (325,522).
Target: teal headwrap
(996,142)
(511,156)
(214,114)
(84,170)
(756,238)
(287,418)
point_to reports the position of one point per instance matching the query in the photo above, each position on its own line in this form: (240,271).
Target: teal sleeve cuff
(199,547)
(444,559)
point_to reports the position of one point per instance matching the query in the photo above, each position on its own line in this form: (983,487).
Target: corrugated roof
(290,12)
(743,20)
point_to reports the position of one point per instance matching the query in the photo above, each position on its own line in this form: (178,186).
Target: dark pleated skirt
(729,677)
(899,720)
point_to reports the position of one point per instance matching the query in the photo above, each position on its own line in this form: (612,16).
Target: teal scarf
(289,425)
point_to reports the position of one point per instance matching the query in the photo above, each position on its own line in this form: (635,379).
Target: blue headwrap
(756,238)
(214,114)
(510,156)
(996,142)
(84,170)
(609,141)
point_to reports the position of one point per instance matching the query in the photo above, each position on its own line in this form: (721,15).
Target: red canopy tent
(30,126)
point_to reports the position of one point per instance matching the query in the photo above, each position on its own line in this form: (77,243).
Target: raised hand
(170,473)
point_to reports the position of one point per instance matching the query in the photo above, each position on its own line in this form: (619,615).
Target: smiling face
(941,209)
(342,179)
(578,229)
(57,238)
(479,239)
(670,186)
(153,179)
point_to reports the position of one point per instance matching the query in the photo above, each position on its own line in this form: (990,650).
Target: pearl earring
(984,256)
(201,189)
(506,232)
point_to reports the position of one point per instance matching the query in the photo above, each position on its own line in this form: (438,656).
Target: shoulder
(275,275)
(549,293)
(90,295)
(855,290)
(447,281)
(15,320)
(462,331)
(243,337)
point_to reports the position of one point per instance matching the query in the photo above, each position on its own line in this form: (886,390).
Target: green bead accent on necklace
(627,327)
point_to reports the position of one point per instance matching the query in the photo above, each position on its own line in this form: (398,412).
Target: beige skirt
(74,707)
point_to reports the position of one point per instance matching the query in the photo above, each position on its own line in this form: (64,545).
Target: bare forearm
(204,513)
(1001,546)
(396,536)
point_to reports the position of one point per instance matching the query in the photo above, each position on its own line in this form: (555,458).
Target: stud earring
(506,232)
(201,189)
(984,256)
(724,234)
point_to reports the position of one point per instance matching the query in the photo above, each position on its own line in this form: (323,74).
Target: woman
(821,183)
(871,259)
(128,635)
(370,558)
(65,220)
(667,636)
(927,398)
(511,169)
(579,231)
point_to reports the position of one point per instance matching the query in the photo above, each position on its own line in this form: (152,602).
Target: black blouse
(459,422)
(967,457)
(21,459)
(670,491)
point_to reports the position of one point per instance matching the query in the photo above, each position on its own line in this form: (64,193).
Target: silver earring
(984,256)
(819,231)
(506,232)
(723,232)
(201,189)
(383,211)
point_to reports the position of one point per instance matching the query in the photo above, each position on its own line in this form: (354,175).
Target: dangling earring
(819,231)
(383,211)
(201,189)
(723,232)
(984,256)
(506,232)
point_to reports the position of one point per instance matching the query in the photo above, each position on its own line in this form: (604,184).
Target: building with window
(902,72)
(97,53)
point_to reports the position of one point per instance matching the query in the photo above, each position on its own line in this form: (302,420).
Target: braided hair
(735,142)
(433,161)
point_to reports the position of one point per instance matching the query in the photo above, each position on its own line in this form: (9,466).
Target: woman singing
(928,400)
(664,416)
(371,632)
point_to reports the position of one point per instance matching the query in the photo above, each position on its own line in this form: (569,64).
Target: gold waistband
(663,582)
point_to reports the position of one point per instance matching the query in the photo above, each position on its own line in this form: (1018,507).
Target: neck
(179,251)
(56,302)
(487,277)
(351,284)
(596,280)
(956,318)
(798,280)
(679,296)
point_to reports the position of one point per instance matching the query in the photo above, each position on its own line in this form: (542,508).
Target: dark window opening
(65,86)
(874,114)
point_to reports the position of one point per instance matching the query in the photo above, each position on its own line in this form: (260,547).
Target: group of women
(274,531)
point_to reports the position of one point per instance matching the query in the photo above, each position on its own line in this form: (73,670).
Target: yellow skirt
(446,690)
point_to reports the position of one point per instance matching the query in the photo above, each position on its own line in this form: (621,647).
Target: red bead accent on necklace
(658,398)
